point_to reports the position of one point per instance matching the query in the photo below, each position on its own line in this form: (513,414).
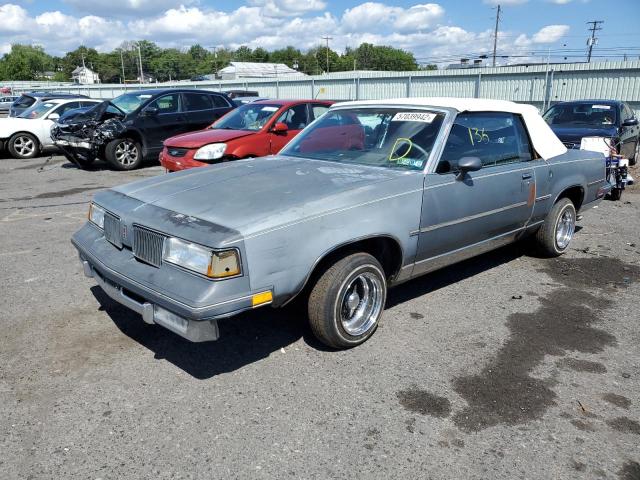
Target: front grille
(112,229)
(177,152)
(147,245)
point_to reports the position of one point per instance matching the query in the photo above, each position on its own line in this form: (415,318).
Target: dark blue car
(571,121)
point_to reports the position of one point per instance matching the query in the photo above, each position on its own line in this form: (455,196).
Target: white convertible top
(544,140)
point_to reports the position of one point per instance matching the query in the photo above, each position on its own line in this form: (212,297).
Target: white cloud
(381,17)
(125,8)
(270,24)
(550,33)
(288,8)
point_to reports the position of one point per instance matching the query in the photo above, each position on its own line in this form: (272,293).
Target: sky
(434,32)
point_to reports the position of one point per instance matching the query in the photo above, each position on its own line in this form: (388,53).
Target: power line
(593,40)
(327,38)
(495,36)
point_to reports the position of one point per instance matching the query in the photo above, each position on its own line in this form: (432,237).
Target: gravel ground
(506,366)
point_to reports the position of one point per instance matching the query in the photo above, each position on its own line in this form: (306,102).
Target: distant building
(257,70)
(84,76)
(48,75)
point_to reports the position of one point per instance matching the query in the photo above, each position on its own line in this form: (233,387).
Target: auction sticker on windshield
(414,117)
(269,109)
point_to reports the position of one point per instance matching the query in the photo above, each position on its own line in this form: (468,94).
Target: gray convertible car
(370,195)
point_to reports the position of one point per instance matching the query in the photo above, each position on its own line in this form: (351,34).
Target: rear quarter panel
(576,168)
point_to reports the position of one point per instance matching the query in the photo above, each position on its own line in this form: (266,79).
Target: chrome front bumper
(194,331)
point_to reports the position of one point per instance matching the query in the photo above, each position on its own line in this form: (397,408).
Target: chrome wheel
(564,228)
(24,146)
(126,153)
(361,303)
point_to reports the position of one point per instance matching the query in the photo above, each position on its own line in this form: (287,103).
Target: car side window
(219,102)
(295,117)
(497,138)
(166,103)
(65,107)
(317,110)
(627,113)
(196,101)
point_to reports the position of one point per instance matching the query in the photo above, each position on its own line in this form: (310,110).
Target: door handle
(527,176)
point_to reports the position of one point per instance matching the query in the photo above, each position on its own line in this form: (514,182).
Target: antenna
(591,41)
(495,36)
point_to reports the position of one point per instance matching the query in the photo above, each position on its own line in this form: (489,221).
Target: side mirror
(630,122)
(280,128)
(54,116)
(468,164)
(151,111)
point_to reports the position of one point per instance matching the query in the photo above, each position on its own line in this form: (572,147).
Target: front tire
(124,153)
(636,156)
(23,146)
(556,232)
(347,301)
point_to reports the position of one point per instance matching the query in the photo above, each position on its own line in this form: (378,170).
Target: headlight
(201,259)
(96,215)
(212,151)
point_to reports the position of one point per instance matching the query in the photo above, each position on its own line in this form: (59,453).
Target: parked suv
(31,99)
(254,130)
(133,126)
(6,102)
(571,121)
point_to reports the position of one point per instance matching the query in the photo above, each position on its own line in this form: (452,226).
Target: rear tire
(347,301)
(615,194)
(555,234)
(124,153)
(23,146)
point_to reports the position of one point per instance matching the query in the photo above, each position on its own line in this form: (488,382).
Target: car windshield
(248,117)
(582,114)
(383,137)
(38,111)
(130,101)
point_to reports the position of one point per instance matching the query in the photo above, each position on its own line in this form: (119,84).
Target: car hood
(575,134)
(204,137)
(256,195)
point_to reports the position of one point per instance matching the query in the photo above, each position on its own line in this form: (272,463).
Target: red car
(252,130)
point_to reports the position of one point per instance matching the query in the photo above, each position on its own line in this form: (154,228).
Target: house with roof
(84,76)
(257,70)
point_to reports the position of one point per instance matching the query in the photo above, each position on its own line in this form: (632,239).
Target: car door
(50,119)
(160,119)
(463,215)
(629,133)
(198,110)
(295,118)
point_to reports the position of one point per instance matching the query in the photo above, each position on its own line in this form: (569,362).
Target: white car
(30,133)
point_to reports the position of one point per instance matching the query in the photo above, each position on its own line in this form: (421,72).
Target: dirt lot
(506,366)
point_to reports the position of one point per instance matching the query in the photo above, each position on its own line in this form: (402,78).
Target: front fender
(285,256)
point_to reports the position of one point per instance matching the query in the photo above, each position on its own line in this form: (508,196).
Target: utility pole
(83,66)
(593,40)
(495,36)
(215,61)
(140,60)
(327,38)
(122,64)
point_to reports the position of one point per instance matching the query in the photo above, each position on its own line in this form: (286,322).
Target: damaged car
(130,128)
(370,195)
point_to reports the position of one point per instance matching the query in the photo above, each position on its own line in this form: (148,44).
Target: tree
(372,57)
(25,62)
